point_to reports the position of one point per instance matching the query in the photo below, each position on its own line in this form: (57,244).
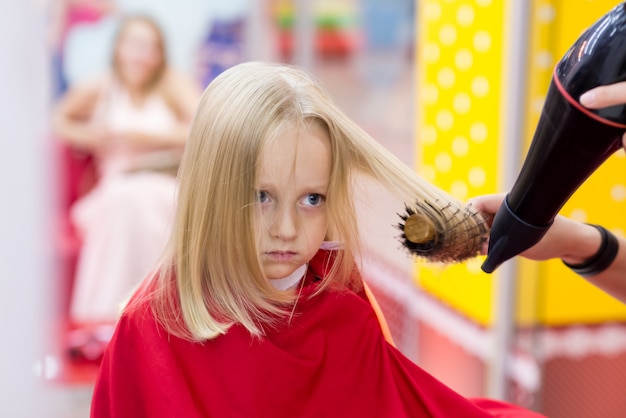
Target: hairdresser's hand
(568,240)
(604,96)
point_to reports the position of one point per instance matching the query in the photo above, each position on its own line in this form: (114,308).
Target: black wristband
(602,259)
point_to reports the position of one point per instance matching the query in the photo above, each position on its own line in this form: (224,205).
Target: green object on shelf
(322,21)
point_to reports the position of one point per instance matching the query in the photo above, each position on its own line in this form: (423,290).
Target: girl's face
(139,53)
(292,184)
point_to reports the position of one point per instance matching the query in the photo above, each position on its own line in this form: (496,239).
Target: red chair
(77,175)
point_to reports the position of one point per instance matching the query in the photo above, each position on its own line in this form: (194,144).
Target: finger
(604,96)
(485,248)
(486,203)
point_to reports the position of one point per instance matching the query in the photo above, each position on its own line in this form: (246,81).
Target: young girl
(258,309)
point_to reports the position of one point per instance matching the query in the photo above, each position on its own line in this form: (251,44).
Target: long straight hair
(211,276)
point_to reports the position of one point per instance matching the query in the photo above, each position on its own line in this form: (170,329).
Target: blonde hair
(211,276)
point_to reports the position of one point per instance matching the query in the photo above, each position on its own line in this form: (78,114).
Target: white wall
(25,268)
(184,22)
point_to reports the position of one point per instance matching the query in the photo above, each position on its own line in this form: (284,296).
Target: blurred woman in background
(134,120)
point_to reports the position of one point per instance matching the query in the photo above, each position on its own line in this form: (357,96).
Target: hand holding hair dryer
(570,141)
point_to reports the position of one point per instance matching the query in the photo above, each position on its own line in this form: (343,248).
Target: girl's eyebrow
(264,186)
(267,183)
(317,187)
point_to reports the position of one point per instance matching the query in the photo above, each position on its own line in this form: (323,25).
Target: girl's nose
(285,224)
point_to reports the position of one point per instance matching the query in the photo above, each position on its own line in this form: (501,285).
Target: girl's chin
(277,272)
(274,275)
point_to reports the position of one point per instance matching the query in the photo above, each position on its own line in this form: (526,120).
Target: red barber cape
(331,360)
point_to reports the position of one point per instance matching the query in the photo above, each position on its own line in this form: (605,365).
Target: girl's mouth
(281,255)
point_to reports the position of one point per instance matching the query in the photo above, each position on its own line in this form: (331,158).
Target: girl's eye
(313,199)
(262,197)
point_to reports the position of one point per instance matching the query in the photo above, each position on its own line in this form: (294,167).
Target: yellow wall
(459,56)
(460,59)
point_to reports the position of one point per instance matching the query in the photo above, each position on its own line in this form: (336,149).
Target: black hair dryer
(570,141)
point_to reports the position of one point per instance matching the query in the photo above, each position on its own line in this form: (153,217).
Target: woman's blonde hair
(211,276)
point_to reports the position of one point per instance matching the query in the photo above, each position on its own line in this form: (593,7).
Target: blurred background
(454,88)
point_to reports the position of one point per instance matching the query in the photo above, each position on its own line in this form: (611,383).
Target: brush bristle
(460,233)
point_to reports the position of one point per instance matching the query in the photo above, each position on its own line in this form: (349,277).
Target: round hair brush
(446,234)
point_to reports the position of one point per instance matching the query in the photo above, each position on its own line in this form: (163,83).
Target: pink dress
(124,221)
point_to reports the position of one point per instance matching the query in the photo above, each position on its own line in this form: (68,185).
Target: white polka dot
(430,94)
(463,59)
(482,41)
(443,162)
(432,10)
(578,215)
(446,77)
(428,135)
(477,176)
(431,52)
(480,86)
(447,34)
(465,15)
(444,120)
(618,193)
(483,3)
(478,132)
(544,60)
(537,104)
(461,103)
(459,189)
(546,13)
(460,146)
(428,173)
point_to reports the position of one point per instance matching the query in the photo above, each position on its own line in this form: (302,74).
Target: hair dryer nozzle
(507,227)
